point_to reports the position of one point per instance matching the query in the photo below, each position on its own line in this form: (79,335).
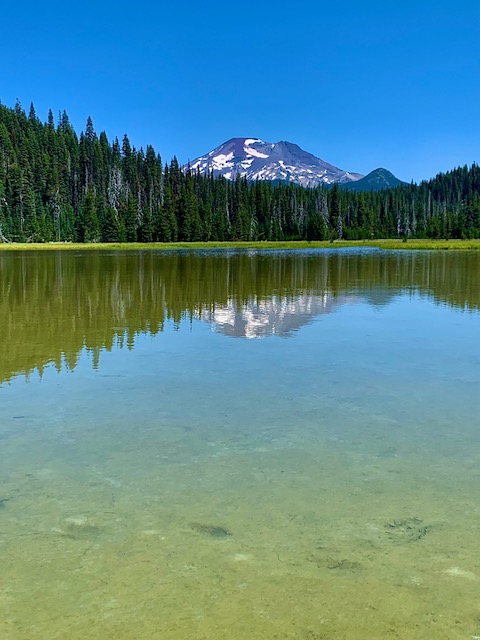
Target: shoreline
(414,244)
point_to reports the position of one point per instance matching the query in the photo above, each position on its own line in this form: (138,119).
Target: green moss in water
(211,530)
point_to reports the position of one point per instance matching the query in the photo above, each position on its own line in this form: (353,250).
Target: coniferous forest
(58,186)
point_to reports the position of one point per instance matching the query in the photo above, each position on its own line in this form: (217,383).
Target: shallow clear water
(239,445)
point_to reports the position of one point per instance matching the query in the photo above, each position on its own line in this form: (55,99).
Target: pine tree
(88,228)
(335,215)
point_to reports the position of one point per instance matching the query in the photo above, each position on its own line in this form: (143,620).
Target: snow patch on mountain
(256,154)
(221,161)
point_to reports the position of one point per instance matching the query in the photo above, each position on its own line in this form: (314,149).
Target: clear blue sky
(359,84)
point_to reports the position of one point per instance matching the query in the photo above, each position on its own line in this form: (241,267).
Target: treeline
(55,185)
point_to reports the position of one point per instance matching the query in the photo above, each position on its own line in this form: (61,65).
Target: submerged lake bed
(241,444)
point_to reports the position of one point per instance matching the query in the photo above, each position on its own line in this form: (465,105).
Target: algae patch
(215,531)
(407,530)
(81,528)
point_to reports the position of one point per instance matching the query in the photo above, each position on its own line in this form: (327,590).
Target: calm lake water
(239,445)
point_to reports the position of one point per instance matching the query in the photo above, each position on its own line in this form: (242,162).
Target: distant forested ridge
(58,186)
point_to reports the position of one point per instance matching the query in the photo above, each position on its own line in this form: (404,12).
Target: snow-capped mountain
(258,160)
(275,316)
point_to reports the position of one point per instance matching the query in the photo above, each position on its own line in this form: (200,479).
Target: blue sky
(359,84)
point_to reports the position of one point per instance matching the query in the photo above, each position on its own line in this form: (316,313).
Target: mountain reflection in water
(54,304)
(275,316)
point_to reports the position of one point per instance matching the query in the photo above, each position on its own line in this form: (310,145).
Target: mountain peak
(376,180)
(256,159)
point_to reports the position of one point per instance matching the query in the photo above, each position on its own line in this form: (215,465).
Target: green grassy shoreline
(470,245)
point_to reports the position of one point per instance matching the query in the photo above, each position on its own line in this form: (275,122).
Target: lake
(242,445)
